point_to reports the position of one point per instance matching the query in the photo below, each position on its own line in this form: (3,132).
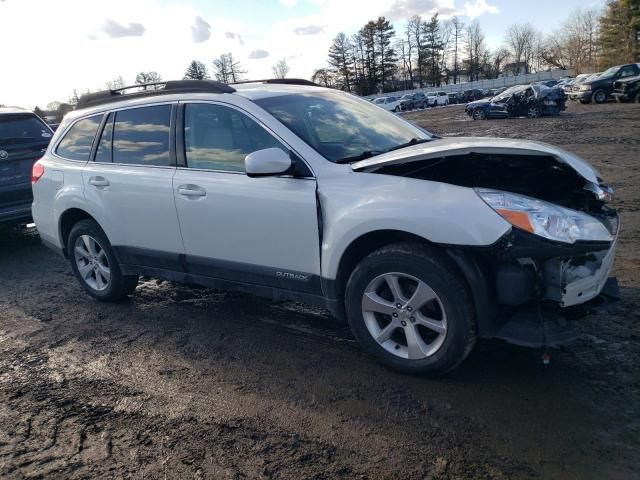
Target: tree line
(431,51)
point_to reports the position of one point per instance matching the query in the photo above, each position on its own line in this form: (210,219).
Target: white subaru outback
(298,192)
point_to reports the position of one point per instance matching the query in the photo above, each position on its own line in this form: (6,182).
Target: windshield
(378,101)
(610,72)
(340,126)
(23,128)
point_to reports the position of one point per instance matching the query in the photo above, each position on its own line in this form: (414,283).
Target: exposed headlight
(584,88)
(543,218)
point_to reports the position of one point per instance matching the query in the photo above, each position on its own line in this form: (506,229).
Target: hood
(478,103)
(456,146)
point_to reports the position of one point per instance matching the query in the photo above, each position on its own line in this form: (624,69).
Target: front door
(259,231)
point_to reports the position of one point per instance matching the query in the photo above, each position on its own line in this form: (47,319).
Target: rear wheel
(94,264)
(478,114)
(410,309)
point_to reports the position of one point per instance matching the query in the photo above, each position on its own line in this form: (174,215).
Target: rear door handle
(190,190)
(99,181)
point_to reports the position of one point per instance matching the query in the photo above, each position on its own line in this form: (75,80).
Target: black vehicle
(627,90)
(453,98)
(471,95)
(601,87)
(24,137)
(411,101)
(531,101)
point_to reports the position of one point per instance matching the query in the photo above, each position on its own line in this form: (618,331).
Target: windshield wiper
(413,141)
(362,156)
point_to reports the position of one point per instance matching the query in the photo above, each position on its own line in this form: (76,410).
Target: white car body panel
(358,203)
(266,221)
(137,208)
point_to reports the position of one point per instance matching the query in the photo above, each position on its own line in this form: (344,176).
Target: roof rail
(280,81)
(142,91)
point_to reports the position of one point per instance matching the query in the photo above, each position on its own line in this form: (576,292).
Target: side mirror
(269,161)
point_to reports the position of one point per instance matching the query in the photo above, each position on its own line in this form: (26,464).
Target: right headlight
(584,88)
(543,218)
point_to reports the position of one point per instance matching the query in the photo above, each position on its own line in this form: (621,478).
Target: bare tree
(476,49)
(457,31)
(144,78)
(520,39)
(280,69)
(117,82)
(324,77)
(226,69)
(415,31)
(575,45)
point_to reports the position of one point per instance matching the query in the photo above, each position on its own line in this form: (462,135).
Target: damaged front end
(553,265)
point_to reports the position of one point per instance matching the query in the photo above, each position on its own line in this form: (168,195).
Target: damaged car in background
(535,100)
(424,244)
(627,90)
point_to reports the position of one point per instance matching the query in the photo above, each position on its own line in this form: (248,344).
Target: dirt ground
(195,383)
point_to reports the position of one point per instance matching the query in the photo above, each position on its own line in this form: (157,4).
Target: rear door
(23,140)
(129,186)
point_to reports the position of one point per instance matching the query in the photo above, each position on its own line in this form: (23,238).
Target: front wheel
(534,112)
(409,307)
(599,96)
(94,264)
(478,114)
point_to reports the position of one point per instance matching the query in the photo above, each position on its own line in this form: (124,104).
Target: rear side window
(77,142)
(104,153)
(141,136)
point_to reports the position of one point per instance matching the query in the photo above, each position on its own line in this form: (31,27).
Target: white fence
(486,84)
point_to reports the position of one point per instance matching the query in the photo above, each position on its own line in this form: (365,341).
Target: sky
(50,47)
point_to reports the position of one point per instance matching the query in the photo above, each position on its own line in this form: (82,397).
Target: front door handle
(99,181)
(191,190)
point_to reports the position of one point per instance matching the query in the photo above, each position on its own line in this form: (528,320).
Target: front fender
(359,203)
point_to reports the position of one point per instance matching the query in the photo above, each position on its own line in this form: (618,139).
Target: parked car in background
(406,102)
(435,99)
(600,88)
(627,90)
(532,101)
(392,104)
(23,140)
(311,194)
(453,98)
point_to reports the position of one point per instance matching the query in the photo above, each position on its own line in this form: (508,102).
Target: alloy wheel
(92,262)
(404,316)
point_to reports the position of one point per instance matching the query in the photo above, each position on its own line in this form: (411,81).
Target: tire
(396,110)
(534,112)
(450,312)
(478,114)
(599,96)
(584,102)
(89,249)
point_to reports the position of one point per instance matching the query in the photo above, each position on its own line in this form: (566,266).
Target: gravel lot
(196,383)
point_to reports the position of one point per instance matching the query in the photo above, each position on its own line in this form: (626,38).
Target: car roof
(7,110)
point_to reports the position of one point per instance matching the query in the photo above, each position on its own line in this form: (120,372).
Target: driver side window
(218,137)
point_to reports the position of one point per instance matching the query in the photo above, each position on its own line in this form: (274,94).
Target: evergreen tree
(386,54)
(620,33)
(341,59)
(196,71)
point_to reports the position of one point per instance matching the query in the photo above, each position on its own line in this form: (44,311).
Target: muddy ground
(195,383)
